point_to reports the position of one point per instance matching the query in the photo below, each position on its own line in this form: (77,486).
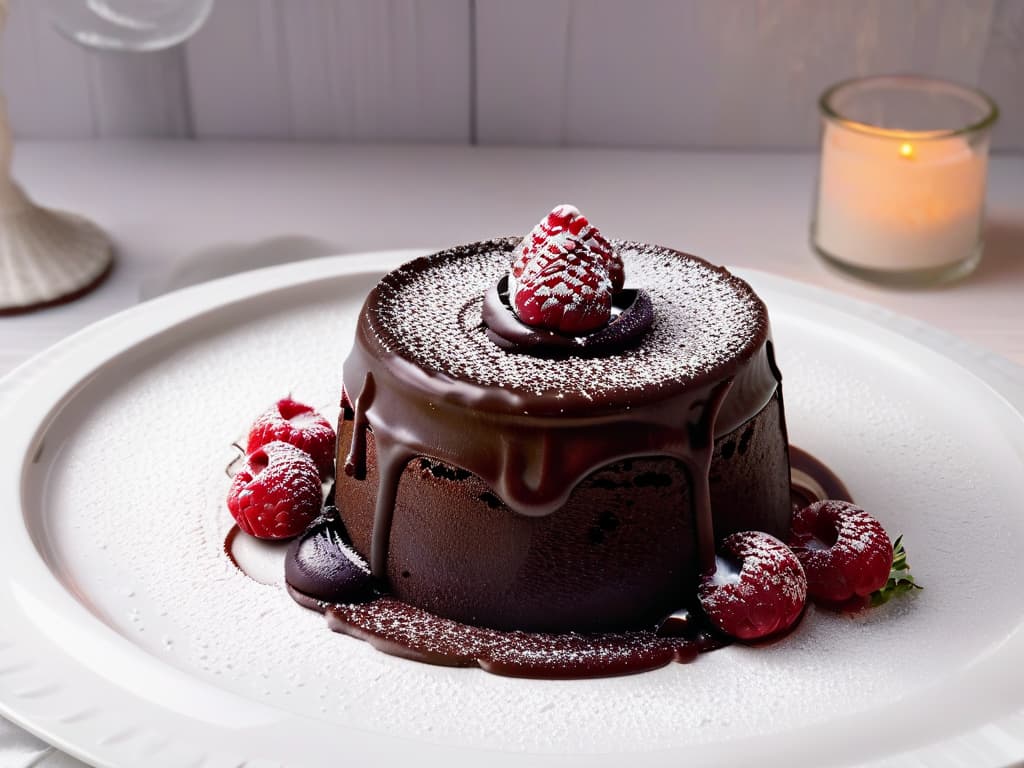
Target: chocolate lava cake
(566,487)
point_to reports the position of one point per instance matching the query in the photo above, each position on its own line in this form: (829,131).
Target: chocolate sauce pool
(400,629)
(319,567)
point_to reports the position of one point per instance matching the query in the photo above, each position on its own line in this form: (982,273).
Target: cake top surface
(706,320)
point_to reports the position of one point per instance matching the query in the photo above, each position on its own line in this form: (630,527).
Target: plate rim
(1003,377)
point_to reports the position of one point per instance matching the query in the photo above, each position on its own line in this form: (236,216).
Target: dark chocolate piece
(320,565)
(632,316)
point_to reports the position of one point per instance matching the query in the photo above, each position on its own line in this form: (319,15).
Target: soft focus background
(303,103)
(661,73)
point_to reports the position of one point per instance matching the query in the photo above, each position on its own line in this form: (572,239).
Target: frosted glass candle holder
(901,189)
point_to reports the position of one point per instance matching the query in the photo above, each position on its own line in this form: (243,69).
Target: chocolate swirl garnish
(632,316)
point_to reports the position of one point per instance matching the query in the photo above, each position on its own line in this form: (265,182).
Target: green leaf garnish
(900,578)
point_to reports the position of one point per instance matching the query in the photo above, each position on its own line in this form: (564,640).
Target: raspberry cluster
(837,554)
(278,491)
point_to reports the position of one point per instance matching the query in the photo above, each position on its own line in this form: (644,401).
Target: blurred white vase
(129,25)
(47,256)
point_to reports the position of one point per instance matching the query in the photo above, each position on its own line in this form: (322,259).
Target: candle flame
(906,149)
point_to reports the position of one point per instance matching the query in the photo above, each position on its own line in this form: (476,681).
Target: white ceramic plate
(127,638)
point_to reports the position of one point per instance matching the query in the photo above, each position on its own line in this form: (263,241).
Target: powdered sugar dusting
(429,312)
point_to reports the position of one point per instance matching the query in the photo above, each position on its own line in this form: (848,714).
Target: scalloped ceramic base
(48,257)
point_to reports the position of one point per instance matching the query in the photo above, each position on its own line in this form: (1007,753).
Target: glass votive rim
(987,107)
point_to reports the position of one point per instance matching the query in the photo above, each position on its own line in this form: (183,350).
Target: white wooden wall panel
(1002,72)
(714,73)
(686,73)
(324,69)
(57,89)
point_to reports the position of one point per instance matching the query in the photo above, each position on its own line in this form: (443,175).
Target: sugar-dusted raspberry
(758,588)
(845,552)
(563,224)
(571,294)
(276,493)
(561,276)
(298,424)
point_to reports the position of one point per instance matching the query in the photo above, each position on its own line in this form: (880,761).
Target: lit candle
(893,202)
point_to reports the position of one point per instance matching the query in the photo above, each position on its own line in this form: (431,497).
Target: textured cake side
(619,554)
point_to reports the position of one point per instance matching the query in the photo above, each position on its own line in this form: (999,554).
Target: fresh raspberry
(570,293)
(845,552)
(564,223)
(297,424)
(757,589)
(277,493)
(561,275)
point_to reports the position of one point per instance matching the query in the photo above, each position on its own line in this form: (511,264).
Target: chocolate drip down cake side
(568,475)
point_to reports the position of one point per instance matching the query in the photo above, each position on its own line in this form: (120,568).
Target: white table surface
(178,208)
(164,201)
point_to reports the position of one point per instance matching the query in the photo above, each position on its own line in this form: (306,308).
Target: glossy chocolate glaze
(400,629)
(532,447)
